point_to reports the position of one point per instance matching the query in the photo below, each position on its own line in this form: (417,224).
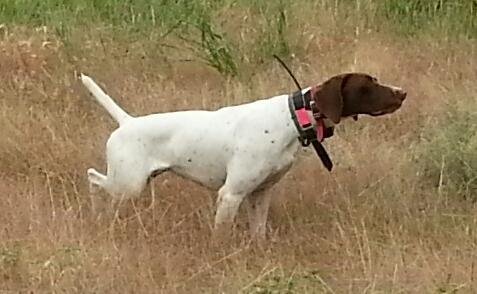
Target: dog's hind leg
(120,184)
(160,168)
(95,179)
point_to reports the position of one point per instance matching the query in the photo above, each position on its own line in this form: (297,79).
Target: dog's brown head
(351,94)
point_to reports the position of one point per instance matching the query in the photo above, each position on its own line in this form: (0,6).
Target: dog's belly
(212,177)
(203,157)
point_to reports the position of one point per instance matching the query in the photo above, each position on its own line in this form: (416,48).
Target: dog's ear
(329,97)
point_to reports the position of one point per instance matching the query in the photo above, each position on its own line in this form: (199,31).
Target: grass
(197,23)
(396,216)
(449,151)
(448,16)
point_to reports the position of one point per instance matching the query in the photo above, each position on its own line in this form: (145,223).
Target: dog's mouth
(378,113)
(387,110)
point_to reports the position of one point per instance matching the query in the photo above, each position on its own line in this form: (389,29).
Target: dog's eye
(373,79)
(364,90)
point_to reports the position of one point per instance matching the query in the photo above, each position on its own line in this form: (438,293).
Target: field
(397,215)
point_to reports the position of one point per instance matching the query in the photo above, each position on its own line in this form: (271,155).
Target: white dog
(239,150)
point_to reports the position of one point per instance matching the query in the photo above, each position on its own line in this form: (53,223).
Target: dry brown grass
(374,225)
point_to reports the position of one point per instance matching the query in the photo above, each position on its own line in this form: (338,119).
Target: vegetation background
(397,215)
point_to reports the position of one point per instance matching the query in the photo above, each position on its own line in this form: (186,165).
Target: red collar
(304,121)
(303,104)
(309,133)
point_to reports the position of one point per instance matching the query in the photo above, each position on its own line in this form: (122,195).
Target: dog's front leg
(228,204)
(258,204)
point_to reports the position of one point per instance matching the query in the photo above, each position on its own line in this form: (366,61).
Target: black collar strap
(299,105)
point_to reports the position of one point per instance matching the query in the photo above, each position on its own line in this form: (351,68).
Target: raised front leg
(258,204)
(228,204)
(246,175)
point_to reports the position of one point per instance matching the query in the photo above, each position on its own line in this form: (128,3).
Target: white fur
(236,150)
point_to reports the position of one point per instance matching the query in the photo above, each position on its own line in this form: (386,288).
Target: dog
(238,150)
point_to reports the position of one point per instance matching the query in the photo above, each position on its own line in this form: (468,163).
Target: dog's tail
(107,102)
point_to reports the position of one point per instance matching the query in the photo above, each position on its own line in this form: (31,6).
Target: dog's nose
(400,93)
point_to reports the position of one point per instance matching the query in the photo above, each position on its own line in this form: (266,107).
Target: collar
(310,133)
(302,103)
